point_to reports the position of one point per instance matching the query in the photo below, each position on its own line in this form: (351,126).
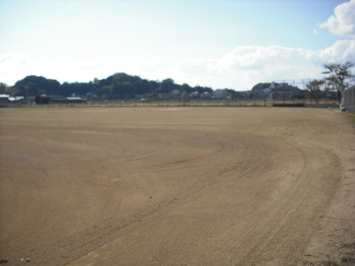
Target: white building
(220,94)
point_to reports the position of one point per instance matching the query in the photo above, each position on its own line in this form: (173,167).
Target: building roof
(74,98)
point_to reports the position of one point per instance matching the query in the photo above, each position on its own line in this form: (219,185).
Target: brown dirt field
(176,186)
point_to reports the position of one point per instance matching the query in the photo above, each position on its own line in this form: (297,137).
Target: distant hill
(261,86)
(117,86)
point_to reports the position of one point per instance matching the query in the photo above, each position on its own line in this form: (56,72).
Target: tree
(185,88)
(337,76)
(313,88)
(127,89)
(34,85)
(261,86)
(3,88)
(167,85)
(106,92)
(31,88)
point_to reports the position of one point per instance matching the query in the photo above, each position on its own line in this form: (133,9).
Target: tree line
(117,86)
(124,86)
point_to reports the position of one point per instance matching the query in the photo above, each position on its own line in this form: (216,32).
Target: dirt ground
(176,186)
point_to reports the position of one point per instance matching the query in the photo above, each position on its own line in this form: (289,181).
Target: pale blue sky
(216,43)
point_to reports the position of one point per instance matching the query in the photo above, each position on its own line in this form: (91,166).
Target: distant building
(11,99)
(56,99)
(4,98)
(16,99)
(206,95)
(75,100)
(43,99)
(175,92)
(264,92)
(194,94)
(220,94)
(283,91)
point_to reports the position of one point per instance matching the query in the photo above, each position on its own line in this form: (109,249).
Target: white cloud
(242,58)
(343,21)
(11,60)
(15,66)
(239,69)
(340,51)
(247,65)
(202,66)
(154,66)
(255,57)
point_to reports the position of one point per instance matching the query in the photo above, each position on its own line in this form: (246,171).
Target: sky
(231,44)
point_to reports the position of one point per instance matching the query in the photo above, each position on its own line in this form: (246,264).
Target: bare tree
(313,88)
(337,74)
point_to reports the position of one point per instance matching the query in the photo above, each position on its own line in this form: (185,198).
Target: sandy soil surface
(176,186)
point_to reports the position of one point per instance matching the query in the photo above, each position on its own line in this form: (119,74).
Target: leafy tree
(153,87)
(117,86)
(260,86)
(3,88)
(167,86)
(231,93)
(34,85)
(127,88)
(337,74)
(201,89)
(106,92)
(313,89)
(31,88)
(186,88)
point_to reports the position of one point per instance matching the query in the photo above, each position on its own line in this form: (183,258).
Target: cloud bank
(239,69)
(247,65)
(342,23)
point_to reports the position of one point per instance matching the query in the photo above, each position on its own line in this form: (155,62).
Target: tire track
(215,191)
(189,198)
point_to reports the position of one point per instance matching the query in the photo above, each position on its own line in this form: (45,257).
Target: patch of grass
(352,117)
